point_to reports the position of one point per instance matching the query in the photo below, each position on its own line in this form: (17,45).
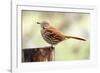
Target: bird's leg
(51,46)
(53,52)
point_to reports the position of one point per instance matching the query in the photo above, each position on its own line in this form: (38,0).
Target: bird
(52,35)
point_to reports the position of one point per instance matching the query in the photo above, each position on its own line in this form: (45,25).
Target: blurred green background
(74,24)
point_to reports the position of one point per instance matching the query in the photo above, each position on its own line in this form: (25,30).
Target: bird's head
(44,24)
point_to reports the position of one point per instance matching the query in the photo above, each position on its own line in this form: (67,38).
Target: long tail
(75,38)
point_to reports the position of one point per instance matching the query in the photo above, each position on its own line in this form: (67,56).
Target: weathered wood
(38,54)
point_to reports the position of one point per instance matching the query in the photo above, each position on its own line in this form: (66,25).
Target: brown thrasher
(52,35)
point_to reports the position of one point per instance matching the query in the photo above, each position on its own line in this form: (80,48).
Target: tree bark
(38,54)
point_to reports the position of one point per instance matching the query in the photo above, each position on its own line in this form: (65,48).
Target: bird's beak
(38,23)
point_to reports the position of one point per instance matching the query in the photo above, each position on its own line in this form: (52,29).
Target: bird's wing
(56,33)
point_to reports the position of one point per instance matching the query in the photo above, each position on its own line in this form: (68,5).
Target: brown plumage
(52,35)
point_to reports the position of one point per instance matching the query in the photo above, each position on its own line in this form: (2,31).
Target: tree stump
(38,54)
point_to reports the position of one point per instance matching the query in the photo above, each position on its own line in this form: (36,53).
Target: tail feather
(75,38)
